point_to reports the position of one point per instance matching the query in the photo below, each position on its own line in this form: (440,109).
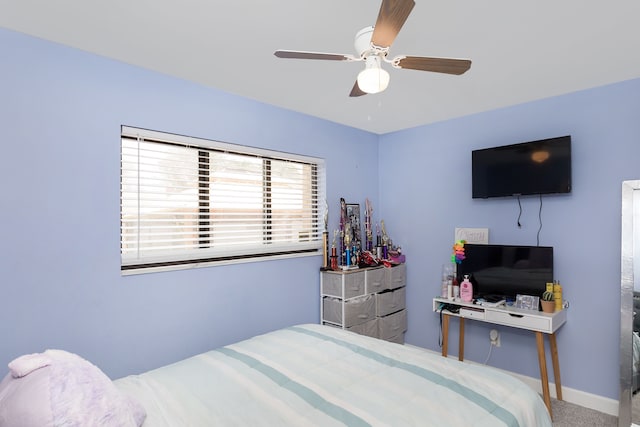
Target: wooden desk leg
(461,340)
(556,365)
(445,334)
(544,379)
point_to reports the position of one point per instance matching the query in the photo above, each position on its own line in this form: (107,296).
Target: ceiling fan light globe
(373,80)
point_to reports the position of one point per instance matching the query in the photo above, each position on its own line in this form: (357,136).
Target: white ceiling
(521,51)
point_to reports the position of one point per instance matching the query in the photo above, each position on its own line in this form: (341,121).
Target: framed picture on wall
(353,216)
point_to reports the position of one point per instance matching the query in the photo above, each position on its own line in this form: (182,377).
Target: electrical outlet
(494,336)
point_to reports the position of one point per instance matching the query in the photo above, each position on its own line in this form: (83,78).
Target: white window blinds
(187,201)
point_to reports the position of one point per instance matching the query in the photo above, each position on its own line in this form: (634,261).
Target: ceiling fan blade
(314,55)
(356,91)
(436,65)
(391,18)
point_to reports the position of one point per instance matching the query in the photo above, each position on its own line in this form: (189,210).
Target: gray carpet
(568,415)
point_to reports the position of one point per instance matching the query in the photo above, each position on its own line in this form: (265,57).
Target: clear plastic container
(447,280)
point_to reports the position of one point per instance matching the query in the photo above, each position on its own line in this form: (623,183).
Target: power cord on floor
(440,338)
(488,355)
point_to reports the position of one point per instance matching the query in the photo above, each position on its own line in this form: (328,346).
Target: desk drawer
(528,321)
(472,314)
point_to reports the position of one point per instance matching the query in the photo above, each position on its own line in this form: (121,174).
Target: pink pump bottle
(466,289)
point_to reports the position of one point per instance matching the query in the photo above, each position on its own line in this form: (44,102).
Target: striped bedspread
(313,375)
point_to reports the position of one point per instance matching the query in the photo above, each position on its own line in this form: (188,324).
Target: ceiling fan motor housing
(363,40)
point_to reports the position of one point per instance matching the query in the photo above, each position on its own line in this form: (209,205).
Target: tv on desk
(528,168)
(503,271)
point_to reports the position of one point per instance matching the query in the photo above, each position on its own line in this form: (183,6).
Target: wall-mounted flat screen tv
(527,168)
(503,271)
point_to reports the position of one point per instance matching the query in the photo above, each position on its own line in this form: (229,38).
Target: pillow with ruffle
(61,389)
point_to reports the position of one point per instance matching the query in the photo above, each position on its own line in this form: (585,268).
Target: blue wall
(61,111)
(426,193)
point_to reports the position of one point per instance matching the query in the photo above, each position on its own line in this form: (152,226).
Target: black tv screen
(503,271)
(536,167)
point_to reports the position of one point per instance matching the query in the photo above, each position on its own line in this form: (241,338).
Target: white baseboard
(577,397)
(571,395)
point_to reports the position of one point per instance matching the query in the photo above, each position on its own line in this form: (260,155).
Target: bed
(323,376)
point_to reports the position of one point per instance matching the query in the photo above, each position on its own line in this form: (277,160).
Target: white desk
(536,321)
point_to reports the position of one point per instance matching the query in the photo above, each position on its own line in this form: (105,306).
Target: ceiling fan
(372,45)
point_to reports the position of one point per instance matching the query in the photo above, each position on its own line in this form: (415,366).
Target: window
(186,202)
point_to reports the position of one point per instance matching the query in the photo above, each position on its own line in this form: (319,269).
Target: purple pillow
(65,391)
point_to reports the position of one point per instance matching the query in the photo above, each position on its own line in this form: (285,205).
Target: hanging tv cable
(540,221)
(519,214)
